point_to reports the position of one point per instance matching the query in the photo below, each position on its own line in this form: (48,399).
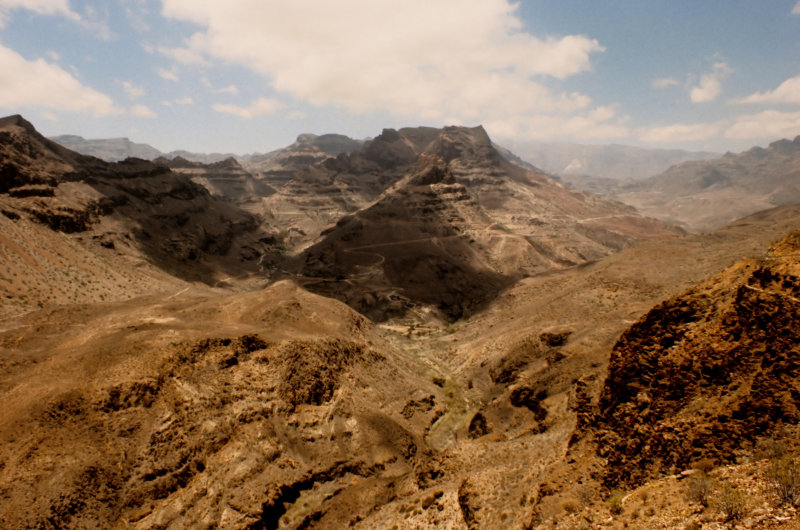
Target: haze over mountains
(411,331)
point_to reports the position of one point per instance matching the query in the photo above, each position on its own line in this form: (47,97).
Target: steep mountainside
(457,227)
(136,209)
(522,351)
(709,194)
(318,195)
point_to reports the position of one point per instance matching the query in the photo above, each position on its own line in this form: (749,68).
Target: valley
(410,331)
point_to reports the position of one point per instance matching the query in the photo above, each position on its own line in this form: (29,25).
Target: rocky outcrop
(705,373)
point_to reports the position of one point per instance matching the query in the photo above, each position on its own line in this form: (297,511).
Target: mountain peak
(18,121)
(463,142)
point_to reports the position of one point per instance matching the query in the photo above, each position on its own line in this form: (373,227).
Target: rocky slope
(705,373)
(206,410)
(277,167)
(708,194)
(135,398)
(131,211)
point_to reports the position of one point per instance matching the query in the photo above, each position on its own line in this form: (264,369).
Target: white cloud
(796,9)
(787,92)
(167,75)
(191,54)
(664,82)
(42,7)
(41,84)
(188,100)
(680,132)
(132,90)
(142,111)
(50,116)
(256,108)
(710,85)
(429,59)
(97,21)
(230,89)
(769,125)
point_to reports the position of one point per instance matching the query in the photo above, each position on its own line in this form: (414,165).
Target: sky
(244,76)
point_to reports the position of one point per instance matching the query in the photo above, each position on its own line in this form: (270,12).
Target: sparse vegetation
(570,505)
(614,502)
(699,488)
(783,475)
(731,502)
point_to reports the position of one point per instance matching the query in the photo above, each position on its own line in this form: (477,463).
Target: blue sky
(250,75)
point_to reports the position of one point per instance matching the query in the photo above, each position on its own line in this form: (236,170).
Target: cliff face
(705,373)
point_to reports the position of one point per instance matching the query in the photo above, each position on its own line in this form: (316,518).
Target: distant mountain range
(574,162)
(702,195)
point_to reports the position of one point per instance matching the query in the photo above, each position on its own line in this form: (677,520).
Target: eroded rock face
(706,372)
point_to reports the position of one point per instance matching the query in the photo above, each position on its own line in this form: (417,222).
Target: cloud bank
(458,60)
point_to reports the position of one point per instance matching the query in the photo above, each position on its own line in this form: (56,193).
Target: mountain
(234,406)
(453,229)
(536,360)
(575,162)
(134,210)
(110,149)
(707,194)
